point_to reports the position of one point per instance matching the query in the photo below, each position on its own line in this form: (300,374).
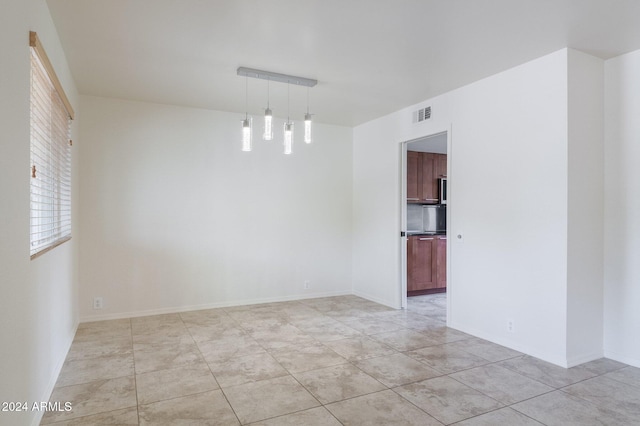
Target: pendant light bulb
(288,138)
(247,122)
(246,134)
(268,119)
(307,128)
(307,122)
(268,125)
(288,130)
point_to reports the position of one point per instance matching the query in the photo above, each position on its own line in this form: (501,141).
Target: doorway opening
(425,213)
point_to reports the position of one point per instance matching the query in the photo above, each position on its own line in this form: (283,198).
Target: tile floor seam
(637,386)
(504,404)
(497,363)
(532,378)
(89,415)
(226,398)
(364,372)
(135,375)
(498,409)
(596,404)
(525,414)
(410,402)
(288,414)
(92,381)
(533,397)
(178,397)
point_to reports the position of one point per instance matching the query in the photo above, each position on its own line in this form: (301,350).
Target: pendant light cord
(246,97)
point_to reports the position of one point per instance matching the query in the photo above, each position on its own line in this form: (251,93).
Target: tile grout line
(210,371)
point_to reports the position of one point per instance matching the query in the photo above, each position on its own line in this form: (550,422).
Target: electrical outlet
(510,326)
(307,284)
(98,303)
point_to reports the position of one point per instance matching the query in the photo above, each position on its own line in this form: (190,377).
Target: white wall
(622,209)
(175,216)
(38,305)
(585,249)
(376,211)
(510,130)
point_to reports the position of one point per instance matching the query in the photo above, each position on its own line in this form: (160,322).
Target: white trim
(403,224)
(178,309)
(376,300)
(577,360)
(450,284)
(57,369)
(634,362)
(403,216)
(553,359)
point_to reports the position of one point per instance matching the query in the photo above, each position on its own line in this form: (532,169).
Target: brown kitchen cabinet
(423,171)
(429,179)
(441,166)
(441,262)
(426,264)
(421,262)
(414,176)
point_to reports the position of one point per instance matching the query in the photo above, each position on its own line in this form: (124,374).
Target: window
(51,116)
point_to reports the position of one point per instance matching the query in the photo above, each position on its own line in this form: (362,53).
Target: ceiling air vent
(422,114)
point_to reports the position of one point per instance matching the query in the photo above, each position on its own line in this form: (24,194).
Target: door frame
(403,217)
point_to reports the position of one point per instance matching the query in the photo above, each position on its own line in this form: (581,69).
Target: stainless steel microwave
(442,190)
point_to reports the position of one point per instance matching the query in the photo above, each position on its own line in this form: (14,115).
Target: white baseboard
(630,360)
(577,360)
(375,299)
(46,396)
(552,358)
(226,304)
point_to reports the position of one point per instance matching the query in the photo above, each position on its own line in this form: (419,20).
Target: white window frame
(50,147)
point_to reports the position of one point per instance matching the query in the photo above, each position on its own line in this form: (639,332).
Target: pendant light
(307,122)
(268,119)
(247,122)
(268,115)
(288,129)
(246,134)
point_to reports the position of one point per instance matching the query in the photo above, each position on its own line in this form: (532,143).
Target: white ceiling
(370,57)
(434,143)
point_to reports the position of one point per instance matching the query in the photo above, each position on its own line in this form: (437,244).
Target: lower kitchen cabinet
(426,264)
(441,262)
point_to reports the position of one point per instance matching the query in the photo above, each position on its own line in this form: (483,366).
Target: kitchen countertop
(421,233)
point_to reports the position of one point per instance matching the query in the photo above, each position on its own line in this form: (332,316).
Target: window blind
(50,158)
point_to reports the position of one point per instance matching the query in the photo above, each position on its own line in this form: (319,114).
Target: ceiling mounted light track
(274,76)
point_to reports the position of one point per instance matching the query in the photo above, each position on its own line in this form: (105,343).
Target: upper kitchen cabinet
(429,178)
(414,176)
(423,171)
(441,165)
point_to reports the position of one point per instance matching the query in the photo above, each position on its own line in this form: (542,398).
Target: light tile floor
(330,361)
